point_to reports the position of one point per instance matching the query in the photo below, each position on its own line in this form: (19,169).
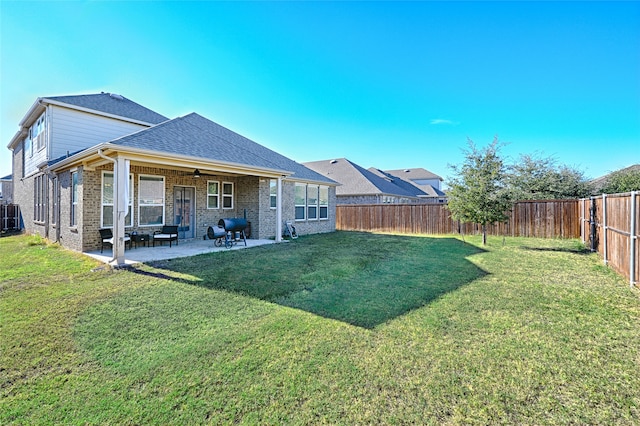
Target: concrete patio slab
(185,248)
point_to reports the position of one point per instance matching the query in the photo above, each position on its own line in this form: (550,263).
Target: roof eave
(168,158)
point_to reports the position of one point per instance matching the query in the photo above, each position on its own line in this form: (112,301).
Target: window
(39,198)
(74,198)
(107,201)
(312,202)
(213,194)
(227,195)
(54,184)
(324,202)
(300,200)
(38,133)
(273,193)
(28,150)
(151,200)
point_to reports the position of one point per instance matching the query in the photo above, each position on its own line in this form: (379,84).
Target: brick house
(6,190)
(373,186)
(81,163)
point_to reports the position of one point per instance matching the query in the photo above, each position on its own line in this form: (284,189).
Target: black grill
(229,231)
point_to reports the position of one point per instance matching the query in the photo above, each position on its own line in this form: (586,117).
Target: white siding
(32,158)
(73,130)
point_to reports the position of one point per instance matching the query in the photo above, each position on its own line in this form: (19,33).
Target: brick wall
(251,197)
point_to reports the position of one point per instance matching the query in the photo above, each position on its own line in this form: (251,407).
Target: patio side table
(141,239)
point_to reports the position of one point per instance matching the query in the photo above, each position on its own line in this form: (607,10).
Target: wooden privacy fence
(547,219)
(610,224)
(9,217)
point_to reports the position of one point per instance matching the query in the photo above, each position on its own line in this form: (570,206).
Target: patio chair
(168,233)
(106,236)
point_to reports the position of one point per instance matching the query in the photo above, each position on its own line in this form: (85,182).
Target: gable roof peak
(112,104)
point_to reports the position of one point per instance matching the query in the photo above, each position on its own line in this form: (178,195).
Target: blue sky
(390,85)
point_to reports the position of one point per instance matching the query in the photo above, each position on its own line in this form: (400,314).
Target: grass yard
(344,328)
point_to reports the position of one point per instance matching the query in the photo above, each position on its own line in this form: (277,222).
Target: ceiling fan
(197,174)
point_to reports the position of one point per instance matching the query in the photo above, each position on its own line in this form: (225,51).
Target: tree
(625,180)
(478,192)
(537,178)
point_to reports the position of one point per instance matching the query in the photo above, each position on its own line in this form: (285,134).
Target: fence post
(592,222)
(632,241)
(604,228)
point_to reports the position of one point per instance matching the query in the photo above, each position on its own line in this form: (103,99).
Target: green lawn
(344,328)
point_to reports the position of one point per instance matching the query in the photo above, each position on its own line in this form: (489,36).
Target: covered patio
(185,248)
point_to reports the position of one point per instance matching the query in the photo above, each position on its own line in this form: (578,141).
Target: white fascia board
(169,160)
(36,109)
(17,138)
(32,114)
(292,178)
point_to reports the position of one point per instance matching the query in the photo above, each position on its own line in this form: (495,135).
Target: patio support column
(120,207)
(279,210)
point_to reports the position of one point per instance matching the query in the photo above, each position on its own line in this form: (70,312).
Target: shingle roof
(112,104)
(600,182)
(196,136)
(407,178)
(356,180)
(411,174)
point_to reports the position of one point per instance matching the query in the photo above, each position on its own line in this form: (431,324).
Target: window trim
(41,130)
(141,205)
(39,198)
(228,196)
(320,205)
(273,185)
(55,195)
(73,211)
(316,204)
(103,204)
(298,205)
(216,195)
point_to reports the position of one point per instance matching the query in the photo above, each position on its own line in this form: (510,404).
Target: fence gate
(611,225)
(9,217)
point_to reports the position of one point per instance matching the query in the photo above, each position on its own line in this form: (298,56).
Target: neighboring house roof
(601,182)
(197,137)
(113,104)
(414,178)
(413,174)
(7,178)
(356,180)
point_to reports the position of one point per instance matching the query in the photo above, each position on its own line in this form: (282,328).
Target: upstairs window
(38,133)
(28,146)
